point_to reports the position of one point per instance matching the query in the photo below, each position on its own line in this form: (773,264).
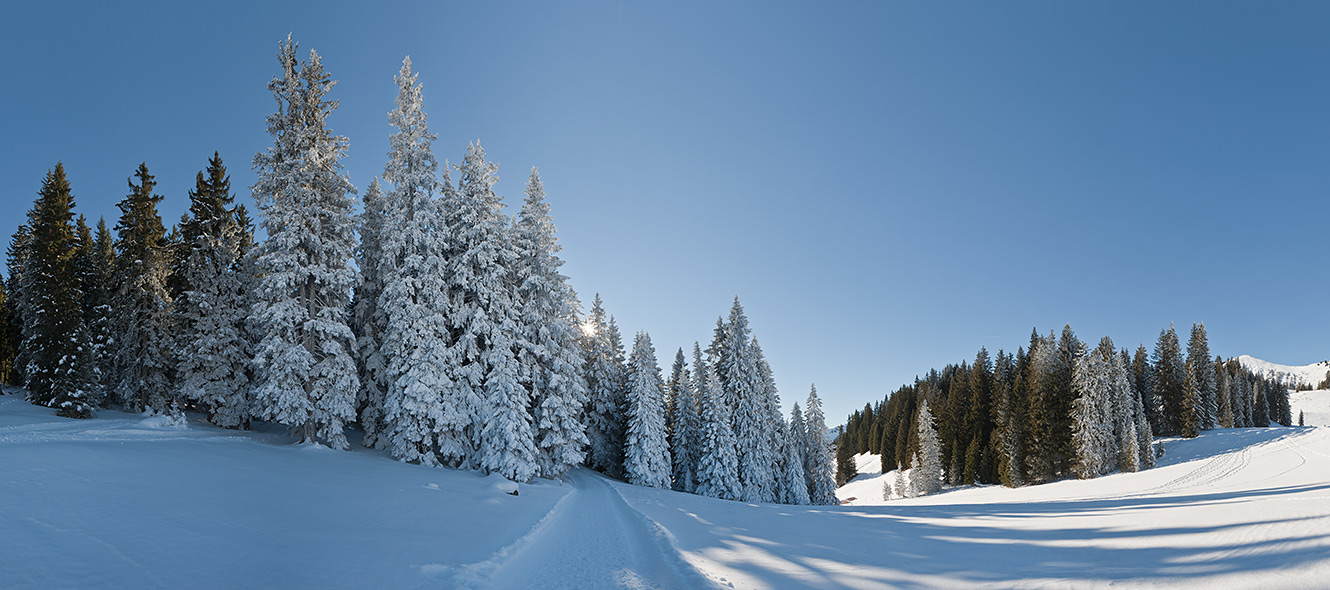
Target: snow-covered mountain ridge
(1291,376)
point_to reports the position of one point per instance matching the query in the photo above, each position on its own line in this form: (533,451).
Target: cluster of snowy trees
(714,429)
(1059,409)
(437,324)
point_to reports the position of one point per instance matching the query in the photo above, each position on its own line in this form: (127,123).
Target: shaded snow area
(1314,405)
(121,501)
(1291,376)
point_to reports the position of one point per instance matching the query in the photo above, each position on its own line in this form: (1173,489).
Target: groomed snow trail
(593,539)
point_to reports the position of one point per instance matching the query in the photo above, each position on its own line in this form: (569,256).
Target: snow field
(1238,508)
(121,501)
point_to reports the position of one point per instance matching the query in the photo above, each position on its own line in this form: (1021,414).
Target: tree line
(1056,409)
(431,322)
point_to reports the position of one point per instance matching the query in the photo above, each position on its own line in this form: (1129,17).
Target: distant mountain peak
(1291,376)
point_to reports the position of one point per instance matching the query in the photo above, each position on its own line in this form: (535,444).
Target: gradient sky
(887,186)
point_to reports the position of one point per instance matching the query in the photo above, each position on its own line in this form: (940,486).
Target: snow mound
(1291,376)
(164,422)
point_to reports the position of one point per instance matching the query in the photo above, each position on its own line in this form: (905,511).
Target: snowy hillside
(123,501)
(1314,405)
(1306,375)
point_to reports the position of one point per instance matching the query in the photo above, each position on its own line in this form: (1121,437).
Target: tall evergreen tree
(718,473)
(926,467)
(213,354)
(1198,356)
(646,451)
(793,485)
(484,322)
(413,296)
(551,355)
(685,439)
(1166,382)
(1192,412)
(15,308)
(368,320)
(59,371)
(142,304)
(306,376)
(817,454)
(744,389)
(605,380)
(98,299)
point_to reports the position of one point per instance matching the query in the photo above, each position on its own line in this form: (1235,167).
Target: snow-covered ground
(125,502)
(1291,376)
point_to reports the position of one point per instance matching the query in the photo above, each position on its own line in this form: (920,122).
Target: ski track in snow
(591,540)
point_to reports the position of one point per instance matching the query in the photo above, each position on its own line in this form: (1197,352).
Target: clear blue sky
(887,186)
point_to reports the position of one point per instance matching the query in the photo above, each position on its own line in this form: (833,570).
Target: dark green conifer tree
(55,341)
(1166,381)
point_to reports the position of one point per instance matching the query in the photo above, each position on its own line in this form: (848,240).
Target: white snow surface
(114,502)
(1291,376)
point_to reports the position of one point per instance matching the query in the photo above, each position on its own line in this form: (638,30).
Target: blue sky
(887,186)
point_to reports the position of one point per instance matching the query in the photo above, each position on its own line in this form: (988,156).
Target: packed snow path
(591,540)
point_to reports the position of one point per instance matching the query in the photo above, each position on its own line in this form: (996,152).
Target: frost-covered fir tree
(368,320)
(1092,423)
(794,484)
(717,473)
(769,399)
(550,353)
(744,389)
(213,354)
(413,300)
(1198,354)
(818,468)
(484,324)
(646,449)
(142,303)
(926,466)
(305,374)
(59,368)
(605,378)
(685,438)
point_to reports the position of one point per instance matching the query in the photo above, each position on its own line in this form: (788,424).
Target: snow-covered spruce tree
(717,473)
(1166,377)
(744,389)
(1198,354)
(646,450)
(769,400)
(483,321)
(368,321)
(142,304)
(818,468)
(926,466)
(1092,423)
(7,350)
(213,351)
(1010,418)
(59,368)
(550,353)
(793,485)
(414,292)
(605,377)
(305,374)
(685,439)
